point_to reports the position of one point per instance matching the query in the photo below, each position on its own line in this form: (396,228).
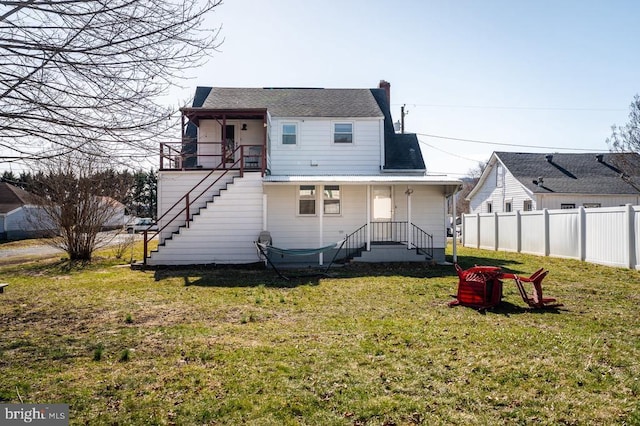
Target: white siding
(290,230)
(511,191)
(551,201)
(223,232)
(209,155)
(172,186)
(316,154)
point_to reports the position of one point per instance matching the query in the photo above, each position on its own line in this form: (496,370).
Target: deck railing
(223,155)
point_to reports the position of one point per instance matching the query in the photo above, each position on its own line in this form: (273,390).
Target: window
(489,207)
(507,206)
(499,176)
(289,134)
(527,206)
(307,200)
(591,205)
(331,198)
(567,206)
(342,132)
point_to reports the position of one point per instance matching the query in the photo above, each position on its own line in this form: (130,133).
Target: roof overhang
(451,185)
(196,114)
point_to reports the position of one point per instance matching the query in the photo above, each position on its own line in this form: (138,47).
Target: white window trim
(339,202)
(297,189)
(333,133)
(290,123)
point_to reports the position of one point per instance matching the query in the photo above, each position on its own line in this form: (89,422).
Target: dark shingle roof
(575,173)
(12,197)
(296,102)
(401,151)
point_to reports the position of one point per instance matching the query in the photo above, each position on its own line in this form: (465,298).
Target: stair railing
(188,200)
(422,241)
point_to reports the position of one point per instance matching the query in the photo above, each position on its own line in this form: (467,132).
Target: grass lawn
(374,345)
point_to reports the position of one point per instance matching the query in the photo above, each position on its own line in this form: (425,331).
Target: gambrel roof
(296,102)
(607,173)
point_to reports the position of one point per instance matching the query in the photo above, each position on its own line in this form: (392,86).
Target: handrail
(352,243)
(189,201)
(422,241)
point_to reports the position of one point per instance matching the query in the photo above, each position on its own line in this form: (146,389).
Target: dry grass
(371,345)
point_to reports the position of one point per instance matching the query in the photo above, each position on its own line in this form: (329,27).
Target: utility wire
(507,144)
(529,108)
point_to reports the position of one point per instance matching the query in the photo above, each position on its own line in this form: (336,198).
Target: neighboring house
(115,217)
(18,217)
(310,166)
(525,181)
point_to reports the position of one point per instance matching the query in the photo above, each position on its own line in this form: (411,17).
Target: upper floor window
(499,176)
(527,206)
(508,206)
(331,198)
(489,207)
(307,200)
(343,132)
(289,133)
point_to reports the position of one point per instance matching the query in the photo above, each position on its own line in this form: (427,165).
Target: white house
(311,166)
(19,218)
(527,181)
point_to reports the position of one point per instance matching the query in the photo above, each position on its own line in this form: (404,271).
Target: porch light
(244,126)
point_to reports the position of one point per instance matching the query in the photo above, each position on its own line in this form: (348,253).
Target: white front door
(381,213)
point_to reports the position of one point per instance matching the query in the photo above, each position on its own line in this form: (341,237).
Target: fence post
(582,233)
(518,231)
(545,213)
(629,236)
(496,225)
(478,230)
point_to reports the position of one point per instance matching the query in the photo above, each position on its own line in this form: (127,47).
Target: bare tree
(468,183)
(85,75)
(627,138)
(77,197)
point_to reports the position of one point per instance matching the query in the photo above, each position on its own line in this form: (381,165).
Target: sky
(534,76)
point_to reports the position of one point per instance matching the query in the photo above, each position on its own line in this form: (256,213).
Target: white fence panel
(533,239)
(508,231)
(636,239)
(470,230)
(564,233)
(608,236)
(487,231)
(606,240)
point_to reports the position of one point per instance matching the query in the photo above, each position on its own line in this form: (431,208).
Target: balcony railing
(211,156)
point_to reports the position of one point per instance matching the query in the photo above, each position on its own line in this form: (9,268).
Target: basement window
(567,206)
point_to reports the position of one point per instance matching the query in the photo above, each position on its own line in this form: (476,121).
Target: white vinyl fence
(608,236)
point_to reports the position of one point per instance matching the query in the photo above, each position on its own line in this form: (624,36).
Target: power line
(527,108)
(446,152)
(507,144)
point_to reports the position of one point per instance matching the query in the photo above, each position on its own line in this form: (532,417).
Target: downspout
(320,225)
(454,227)
(368,217)
(409,227)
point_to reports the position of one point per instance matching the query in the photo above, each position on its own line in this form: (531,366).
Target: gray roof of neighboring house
(12,197)
(296,102)
(575,173)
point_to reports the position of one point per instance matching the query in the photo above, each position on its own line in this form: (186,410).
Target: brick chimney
(387,88)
